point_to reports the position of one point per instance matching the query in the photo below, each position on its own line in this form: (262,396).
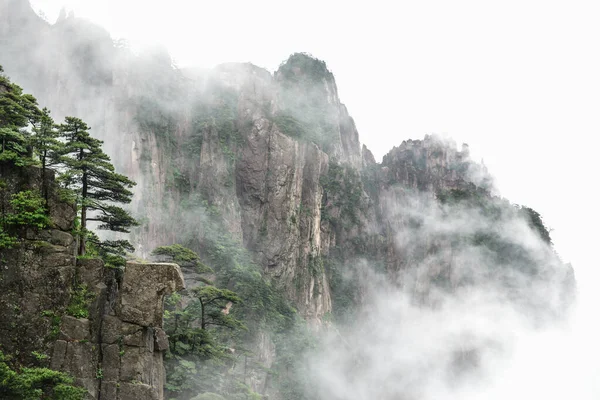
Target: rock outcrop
(433,164)
(113,343)
(117,352)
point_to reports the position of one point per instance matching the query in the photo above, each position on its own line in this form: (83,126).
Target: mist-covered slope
(248,167)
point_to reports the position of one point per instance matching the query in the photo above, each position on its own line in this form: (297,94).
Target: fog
(494,334)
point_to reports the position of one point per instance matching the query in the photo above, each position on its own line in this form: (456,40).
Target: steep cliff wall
(236,139)
(75,315)
(35,273)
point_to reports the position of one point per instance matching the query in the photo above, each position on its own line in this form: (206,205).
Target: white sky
(517,80)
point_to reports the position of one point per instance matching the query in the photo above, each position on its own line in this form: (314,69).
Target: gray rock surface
(112,352)
(119,359)
(36,273)
(143,290)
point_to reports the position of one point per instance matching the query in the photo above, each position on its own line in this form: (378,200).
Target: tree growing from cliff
(182,256)
(17,111)
(197,348)
(192,322)
(535,222)
(91,175)
(46,145)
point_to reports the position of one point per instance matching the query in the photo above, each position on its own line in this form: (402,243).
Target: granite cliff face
(77,316)
(270,161)
(236,138)
(33,275)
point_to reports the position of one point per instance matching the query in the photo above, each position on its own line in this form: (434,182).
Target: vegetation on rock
(30,137)
(36,384)
(308,112)
(89,172)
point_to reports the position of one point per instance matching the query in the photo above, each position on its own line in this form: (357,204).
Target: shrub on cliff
(36,383)
(25,209)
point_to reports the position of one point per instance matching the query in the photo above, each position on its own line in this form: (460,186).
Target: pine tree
(90,173)
(46,145)
(17,111)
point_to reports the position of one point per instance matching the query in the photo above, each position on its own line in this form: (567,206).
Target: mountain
(246,167)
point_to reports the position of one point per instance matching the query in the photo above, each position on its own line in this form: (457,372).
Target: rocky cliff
(78,316)
(251,144)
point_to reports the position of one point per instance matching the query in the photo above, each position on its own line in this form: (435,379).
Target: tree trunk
(44,183)
(202,319)
(83,216)
(84,187)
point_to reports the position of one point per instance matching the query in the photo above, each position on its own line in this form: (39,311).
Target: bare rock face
(144,287)
(117,353)
(433,164)
(280,201)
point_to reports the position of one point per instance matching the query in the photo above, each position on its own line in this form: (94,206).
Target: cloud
(462,321)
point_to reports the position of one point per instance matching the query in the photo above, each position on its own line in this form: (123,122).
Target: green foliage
(17,112)
(535,222)
(195,326)
(39,356)
(344,290)
(7,241)
(307,113)
(195,347)
(25,210)
(36,384)
(291,126)
(302,67)
(86,171)
(289,372)
(216,115)
(54,323)
(214,307)
(471,196)
(315,265)
(261,303)
(46,145)
(492,211)
(179,181)
(14,147)
(28,210)
(112,252)
(262,308)
(343,202)
(91,175)
(81,298)
(183,256)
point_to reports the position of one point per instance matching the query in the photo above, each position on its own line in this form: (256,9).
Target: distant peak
(304,65)
(62,15)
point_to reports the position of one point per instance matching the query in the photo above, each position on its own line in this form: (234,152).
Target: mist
(497,332)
